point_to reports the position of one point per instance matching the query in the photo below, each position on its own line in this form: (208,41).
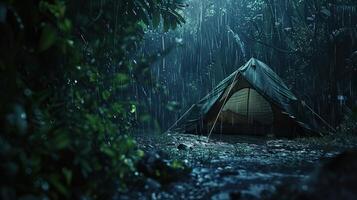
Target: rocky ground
(235,167)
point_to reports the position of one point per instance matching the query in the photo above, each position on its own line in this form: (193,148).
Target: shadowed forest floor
(236,167)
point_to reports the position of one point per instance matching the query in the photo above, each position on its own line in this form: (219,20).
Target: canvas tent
(252,100)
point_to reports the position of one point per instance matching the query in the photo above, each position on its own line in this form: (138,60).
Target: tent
(252,100)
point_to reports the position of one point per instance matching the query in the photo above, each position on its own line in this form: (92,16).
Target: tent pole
(248,105)
(224,102)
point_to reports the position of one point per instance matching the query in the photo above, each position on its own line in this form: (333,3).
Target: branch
(269,45)
(246,37)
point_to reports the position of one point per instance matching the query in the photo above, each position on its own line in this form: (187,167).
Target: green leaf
(176,164)
(65,25)
(118,108)
(61,141)
(67,175)
(108,151)
(57,9)
(106,95)
(133,108)
(48,38)
(140,153)
(55,181)
(122,78)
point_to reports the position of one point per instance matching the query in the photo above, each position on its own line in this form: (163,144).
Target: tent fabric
(267,83)
(251,105)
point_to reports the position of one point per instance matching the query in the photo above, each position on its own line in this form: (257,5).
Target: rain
(178,99)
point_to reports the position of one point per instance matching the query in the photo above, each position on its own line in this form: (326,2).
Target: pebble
(182,147)
(152,184)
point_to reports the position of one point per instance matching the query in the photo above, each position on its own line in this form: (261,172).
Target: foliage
(349,124)
(66,106)
(310,44)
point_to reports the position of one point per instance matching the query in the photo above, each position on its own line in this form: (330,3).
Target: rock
(228,172)
(152,184)
(215,161)
(179,188)
(221,196)
(182,147)
(235,195)
(171,144)
(154,165)
(207,176)
(330,154)
(219,169)
(228,195)
(335,178)
(153,196)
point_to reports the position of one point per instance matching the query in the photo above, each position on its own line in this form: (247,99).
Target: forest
(178,99)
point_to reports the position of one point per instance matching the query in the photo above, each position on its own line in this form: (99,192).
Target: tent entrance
(247,106)
(244,112)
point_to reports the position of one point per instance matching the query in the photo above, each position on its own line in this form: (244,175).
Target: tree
(65,68)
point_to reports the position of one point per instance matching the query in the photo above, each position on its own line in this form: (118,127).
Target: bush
(65,109)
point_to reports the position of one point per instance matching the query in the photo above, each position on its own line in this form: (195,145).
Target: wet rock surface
(158,168)
(334,178)
(235,167)
(182,147)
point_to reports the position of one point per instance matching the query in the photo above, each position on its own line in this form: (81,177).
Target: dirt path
(232,167)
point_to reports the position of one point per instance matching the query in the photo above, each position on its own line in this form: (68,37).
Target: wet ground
(235,167)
